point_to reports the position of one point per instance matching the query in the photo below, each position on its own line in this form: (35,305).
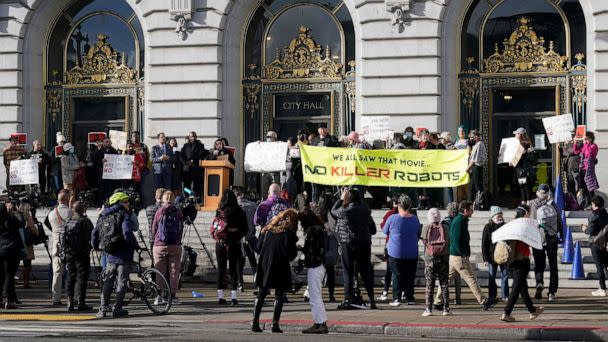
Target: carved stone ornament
(101,65)
(524,51)
(398,10)
(302,58)
(182,25)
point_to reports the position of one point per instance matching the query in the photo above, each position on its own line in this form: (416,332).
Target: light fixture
(268,38)
(507,97)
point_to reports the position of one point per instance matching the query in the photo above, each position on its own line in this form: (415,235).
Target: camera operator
(11,252)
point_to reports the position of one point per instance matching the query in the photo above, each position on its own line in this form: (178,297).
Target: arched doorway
(298,68)
(93,71)
(521,62)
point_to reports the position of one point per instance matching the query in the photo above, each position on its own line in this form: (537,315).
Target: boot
(332,298)
(257,310)
(276,316)
(82,302)
(317,328)
(26,278)
(71,303)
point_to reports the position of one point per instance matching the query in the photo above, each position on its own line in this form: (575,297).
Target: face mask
(498,220)
(409,135)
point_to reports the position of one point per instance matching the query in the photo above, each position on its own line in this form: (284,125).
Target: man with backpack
(597,230)
(114,235)
(77,248)
(435,237)
(250,240)
(56,222)
(271,207)
(544,210)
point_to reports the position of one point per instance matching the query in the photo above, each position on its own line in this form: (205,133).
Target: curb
(440,331)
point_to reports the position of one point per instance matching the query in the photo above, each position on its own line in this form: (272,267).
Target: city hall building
(238,68)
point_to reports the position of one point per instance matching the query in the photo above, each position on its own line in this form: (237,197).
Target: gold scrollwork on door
(101,64)
(303,58)
(524,51)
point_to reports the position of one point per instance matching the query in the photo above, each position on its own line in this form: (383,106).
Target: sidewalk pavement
(574,316)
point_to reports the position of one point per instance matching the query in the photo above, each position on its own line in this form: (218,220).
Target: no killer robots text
(375,172)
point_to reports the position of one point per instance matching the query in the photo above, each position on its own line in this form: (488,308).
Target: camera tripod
(189,225)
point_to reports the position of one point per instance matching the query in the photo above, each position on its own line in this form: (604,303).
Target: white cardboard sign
(117,166)
(375,127)
(119,139)
(522,229)
(266,156)
(510,151)
(23,171)
(559,128)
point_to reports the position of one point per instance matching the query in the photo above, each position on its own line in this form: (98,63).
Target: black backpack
(75,240)
(189,261)
(110,233)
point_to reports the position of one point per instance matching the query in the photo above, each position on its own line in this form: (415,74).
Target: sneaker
(222,301)
(120,313)
(102,312)
(539,292)
(506,299)
(507,318)
(383,296)
(599,293)
(345,305)
(552,297)
(395,303)
(447,312)
(235,302)
(411,301)
(175,301)
(427,312)
(539,310)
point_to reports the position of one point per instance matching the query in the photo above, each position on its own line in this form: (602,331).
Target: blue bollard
(578,272)
(568,248)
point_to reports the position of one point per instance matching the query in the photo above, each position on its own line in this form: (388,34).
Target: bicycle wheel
(155,291)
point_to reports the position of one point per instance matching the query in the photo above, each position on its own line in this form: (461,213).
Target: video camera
(189,205)
(88,198)
(30,197)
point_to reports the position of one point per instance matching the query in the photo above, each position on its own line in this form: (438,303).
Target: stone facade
(407,66)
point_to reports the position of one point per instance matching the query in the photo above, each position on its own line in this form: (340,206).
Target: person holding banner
(324,139)
(477,160)
(44,160)
(589,151)
(524,170)
(107,186)
(12,152)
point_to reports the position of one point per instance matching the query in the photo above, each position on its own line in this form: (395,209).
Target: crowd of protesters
(332,219)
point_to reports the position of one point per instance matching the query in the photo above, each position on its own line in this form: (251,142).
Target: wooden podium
(216,180)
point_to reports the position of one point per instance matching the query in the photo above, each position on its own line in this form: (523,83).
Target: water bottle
(196,294)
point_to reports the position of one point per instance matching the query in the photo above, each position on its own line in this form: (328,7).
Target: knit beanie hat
(434,215)
(452,209)
(495,210)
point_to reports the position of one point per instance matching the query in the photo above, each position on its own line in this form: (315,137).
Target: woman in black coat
(220,152)
(11,248)
(278,248)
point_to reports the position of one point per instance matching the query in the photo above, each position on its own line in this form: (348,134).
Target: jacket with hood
(354,222)
(487,247)
(125,254)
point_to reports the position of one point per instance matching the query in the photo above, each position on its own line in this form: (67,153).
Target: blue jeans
(504,281)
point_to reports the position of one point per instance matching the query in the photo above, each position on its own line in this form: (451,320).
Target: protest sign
(119,139)
(94,137)
(58,151)
(559,128)
(20,137)
(510,151)
(23,171)
(522,229)
(265,156)
(580,132)
(398,168)
(539,142)
(375,127)
(118,166)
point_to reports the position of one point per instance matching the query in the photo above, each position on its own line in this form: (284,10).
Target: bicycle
(150,286)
